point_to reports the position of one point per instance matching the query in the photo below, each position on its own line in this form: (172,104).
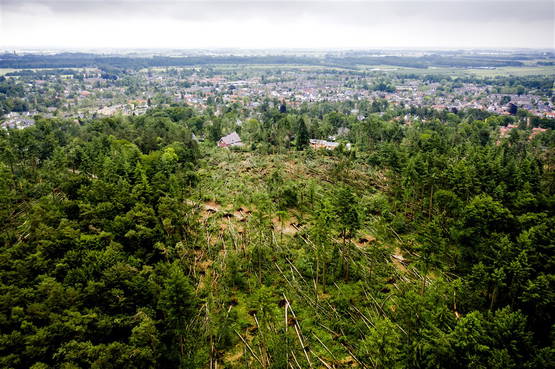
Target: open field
(514,71)
(4,71)
(500,71)
(456,72)
(279,66)
(527,70)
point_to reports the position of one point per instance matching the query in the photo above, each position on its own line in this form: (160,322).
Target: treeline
(80,60)
(37,74)
(429,61)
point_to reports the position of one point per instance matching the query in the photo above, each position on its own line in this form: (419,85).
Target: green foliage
(381,346)
(302,138)
(124,244)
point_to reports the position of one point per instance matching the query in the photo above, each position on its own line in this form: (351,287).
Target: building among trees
(323,144)
(231,139)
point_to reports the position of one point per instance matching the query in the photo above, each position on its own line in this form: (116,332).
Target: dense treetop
(125,243)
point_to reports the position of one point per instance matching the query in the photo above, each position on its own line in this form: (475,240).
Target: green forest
(127,243)
(79,60)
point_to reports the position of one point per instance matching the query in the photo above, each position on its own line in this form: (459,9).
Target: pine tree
(302,136)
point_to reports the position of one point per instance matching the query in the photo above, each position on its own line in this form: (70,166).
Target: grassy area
(501,71)
(514,71)
(4,71)
(527,70)
(280,67)
(385,68)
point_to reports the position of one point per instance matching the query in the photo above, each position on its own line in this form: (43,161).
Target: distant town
(92,92)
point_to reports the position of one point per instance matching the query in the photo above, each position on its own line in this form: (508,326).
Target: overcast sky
(276,24)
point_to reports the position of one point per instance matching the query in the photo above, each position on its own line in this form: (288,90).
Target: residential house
(328,145)
(231,139)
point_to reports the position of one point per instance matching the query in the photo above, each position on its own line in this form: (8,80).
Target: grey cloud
(532,18)
(344,12)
